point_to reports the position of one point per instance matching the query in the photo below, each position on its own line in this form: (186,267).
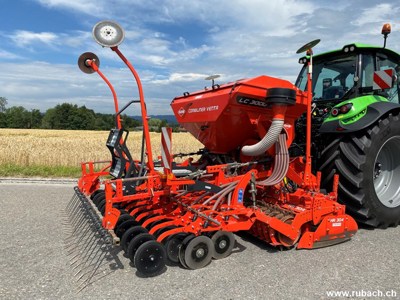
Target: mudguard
(374,112)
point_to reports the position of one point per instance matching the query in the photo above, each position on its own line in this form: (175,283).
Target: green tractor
(356,128)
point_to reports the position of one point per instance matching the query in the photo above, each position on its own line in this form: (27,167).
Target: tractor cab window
(332,78)
(385,63)
(367,73)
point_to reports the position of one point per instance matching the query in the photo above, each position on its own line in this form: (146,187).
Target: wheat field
(54,148)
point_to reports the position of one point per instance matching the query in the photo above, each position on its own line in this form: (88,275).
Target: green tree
(163,123)
(50,119)
(36,118)
(154,124)
(69,116)
(103,122)
(3,120)
(81,118)
(129,122)
(17,117)
(3,104)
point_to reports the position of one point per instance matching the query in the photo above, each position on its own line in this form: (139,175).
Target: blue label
(240,196)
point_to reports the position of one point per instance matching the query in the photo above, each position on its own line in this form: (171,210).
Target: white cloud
(8,55)
(237,38)
(180,77)
(40,85)
(87,6)
(377,14)
(24,38)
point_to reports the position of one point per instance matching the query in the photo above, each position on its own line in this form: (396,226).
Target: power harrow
(245,180)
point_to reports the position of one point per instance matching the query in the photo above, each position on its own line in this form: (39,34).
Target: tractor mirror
(384,79)
(108,34)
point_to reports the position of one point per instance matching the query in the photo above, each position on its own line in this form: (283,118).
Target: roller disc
(172,246)
(152,224)
(146,218)
(98,198)
(123,227)
(124,212)
(130,234)
(96,192)
(102,208)
(136,242)
(164,229)
(182,248)
(122,218)
(224,242)
(199,252)
(100,203)
(150,258)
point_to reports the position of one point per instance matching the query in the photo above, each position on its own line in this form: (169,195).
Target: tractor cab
(349,73)
(355,127)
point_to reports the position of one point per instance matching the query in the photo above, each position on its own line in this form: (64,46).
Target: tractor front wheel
(368,164)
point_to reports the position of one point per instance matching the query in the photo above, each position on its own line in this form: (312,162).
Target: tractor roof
(358,46)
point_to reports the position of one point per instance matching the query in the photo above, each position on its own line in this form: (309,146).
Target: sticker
(334,220)
(252,102)
(240,196)
(203,109)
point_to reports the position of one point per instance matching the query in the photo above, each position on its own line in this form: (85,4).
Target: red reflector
(345,108)
(335,112)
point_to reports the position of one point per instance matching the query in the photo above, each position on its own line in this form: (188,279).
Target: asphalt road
(35,263)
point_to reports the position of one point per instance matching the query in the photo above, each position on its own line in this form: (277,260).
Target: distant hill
(169,118)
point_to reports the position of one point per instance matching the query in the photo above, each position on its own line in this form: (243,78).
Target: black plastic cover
(281,96)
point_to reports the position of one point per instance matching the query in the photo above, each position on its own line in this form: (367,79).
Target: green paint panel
(358,110)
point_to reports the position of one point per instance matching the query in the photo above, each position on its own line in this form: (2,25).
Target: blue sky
(174,44)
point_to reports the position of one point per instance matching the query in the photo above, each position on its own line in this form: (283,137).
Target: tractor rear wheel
(368,164)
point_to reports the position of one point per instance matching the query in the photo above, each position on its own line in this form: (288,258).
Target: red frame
(215,117)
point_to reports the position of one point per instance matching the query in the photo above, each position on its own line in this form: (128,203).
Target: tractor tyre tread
(350,156)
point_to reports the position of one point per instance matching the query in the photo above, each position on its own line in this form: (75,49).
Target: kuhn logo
(181,111)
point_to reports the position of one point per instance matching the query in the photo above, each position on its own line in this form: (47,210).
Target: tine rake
(87,244)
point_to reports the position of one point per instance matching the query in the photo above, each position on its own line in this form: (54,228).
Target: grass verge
(13,170)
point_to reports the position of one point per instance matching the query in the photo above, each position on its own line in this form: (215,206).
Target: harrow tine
(92,239)
(72,202)
(72,233)
(91,274)
(90,245)
(82,240)
(83,234)
(87,244)
(74,239)
(77,214)
(72,214)
(103,248)
(90,258)
(73,209)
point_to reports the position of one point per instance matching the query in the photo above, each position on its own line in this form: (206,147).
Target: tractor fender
(374,112)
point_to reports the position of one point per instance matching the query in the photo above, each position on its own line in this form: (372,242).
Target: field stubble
(37,148)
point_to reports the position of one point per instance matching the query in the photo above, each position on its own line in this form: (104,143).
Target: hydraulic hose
(271,136)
